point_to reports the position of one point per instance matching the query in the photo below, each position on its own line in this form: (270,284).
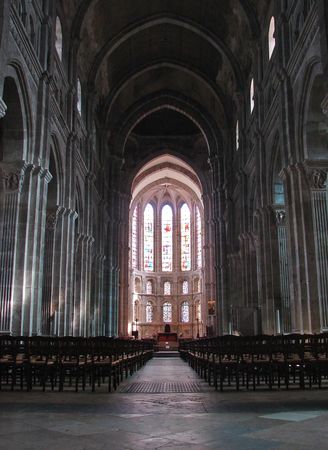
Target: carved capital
(51,221)
(281,217)
(12,180)
(3,108)
(317,178)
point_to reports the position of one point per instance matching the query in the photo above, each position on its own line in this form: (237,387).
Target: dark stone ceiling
(200,52)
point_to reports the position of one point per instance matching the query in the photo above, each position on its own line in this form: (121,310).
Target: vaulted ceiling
(199,52)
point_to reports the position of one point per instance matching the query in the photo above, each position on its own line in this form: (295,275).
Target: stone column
(285,315)
(82,279)
(219,202)
(62,289)
(11,184)
(31,322)
(123,237)
(98,295)
(301,250)
(267,257)
(51,222)
(318,179)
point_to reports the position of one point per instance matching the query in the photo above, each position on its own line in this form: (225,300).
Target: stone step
(167,354)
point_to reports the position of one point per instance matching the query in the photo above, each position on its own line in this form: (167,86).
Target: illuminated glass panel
(149,287)
(185,238)
(135,238)
(198,239)
(185,312)
(149,238)
(149,312)
(167,238)
(271,38)
(167,288)
(278,193)
(59,38)
(79,97)
(167,312)
(237,135)
(185,287)
(251,95)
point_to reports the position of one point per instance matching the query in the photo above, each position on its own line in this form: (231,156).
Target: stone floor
(201,419)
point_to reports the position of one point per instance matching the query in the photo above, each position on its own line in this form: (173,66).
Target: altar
(167,337)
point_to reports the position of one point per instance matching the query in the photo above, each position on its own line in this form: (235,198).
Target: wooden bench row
(58,363)
(260,361)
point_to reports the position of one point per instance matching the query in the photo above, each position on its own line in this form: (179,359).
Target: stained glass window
(278,193)
(251,95)
(149,238)
(149,287)
(185,238)
(185,287)
(135,238)
(167,288)
(149,312)
(79,96)
(198,239)
(59,38)
(185,312)
(167,238)
(167,312)
(271,37)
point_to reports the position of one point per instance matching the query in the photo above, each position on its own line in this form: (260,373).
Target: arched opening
(59,38)
(316,128)
(271,37)
(11,125)
(168,234)
(12,145)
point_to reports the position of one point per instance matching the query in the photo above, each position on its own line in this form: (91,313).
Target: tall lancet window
(149,312)
(167,222)
(271,37)
(59,38)
(251,95)
(185,312)
(198,239)
(134,249)
(79,96)
(149,238)
(185,238)
(167,312)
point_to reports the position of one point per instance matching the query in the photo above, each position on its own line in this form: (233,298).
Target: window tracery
(167,312)
(167,288)
(134,250)
(149,312)
(149,287)
(59,38)
(185,287)
(198,239)
(79,97)
(251,95)
(185,312)
(185,238)
(271,37)
(149,238)
(167,253)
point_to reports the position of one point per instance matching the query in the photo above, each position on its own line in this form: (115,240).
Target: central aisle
(201,419)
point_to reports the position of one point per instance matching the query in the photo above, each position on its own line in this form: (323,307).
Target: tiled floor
(199,420)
